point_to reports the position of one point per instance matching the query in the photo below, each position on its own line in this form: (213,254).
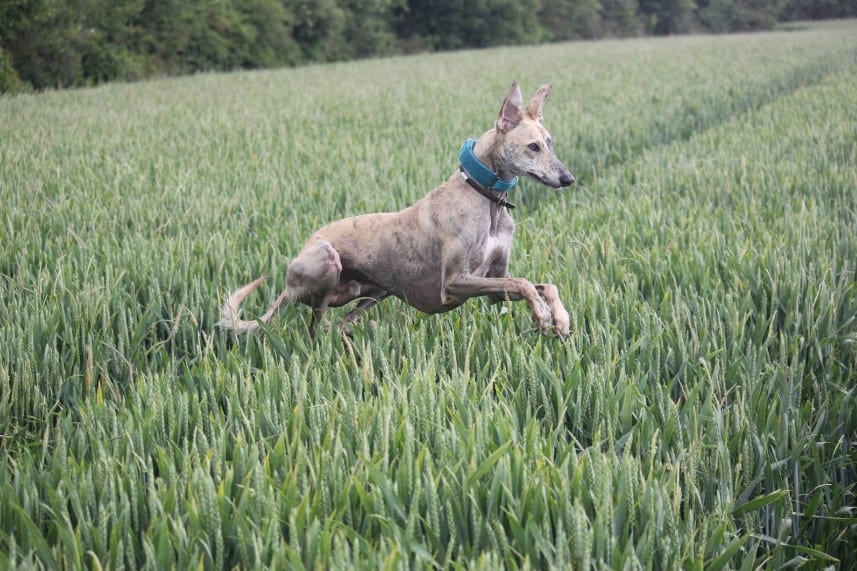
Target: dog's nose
(566,179)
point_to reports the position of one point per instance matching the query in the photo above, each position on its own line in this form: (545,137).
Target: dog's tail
(229,319)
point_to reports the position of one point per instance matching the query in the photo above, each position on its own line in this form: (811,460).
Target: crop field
(702,414)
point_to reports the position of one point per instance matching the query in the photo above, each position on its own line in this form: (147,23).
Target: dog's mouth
(550,183)
(536,177)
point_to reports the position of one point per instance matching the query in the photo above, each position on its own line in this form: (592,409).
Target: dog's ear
(510,111)
(534,107)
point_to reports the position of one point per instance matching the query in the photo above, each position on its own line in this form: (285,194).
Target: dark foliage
(66,43)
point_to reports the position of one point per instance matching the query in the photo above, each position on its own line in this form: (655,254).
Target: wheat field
(702,414)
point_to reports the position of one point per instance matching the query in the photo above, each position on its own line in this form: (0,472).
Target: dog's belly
(417,286)
(420,282)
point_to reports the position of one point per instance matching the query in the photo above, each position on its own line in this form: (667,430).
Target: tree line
(67,43)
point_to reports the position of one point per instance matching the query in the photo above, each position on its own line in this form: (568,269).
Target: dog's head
(523,145)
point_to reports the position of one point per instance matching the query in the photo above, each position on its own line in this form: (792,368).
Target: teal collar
(481,174)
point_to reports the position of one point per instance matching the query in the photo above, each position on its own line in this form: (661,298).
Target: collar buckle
(499,199)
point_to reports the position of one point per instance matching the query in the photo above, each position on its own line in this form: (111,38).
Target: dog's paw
(542,316)
(561,323)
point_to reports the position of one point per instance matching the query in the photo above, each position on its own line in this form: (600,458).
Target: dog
(451,245)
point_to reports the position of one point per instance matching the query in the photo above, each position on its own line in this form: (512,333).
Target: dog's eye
(534,147)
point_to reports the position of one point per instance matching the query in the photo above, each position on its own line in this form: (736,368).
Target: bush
(9,80)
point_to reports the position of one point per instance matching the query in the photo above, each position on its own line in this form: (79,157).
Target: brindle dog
(451,245)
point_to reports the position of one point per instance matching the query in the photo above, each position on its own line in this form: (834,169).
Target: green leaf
(759,502)
(728,553)
(486,465)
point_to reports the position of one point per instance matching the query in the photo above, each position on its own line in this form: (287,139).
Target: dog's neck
(487,151)
(497,197)
(478,169)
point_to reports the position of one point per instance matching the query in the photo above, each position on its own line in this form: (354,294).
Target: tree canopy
(66,43)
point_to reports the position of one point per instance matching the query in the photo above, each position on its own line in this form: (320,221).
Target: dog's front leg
(561,320)
(550,293)
(469,285)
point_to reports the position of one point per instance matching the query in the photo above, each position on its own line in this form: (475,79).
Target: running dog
(451,245)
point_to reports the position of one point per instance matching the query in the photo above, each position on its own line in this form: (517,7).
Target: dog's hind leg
(311,279)
(368,294)
(313,276)
(369,297)
(364,305)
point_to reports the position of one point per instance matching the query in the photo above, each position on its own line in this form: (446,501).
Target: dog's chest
(494,251)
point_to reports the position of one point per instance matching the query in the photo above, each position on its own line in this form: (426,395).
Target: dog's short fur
(451,245)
